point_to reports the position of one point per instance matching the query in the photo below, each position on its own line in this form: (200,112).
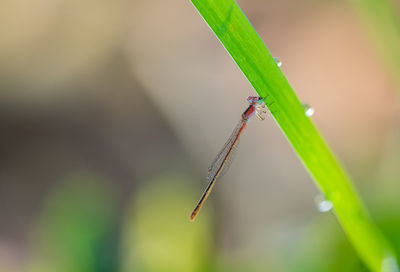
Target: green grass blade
(251,55)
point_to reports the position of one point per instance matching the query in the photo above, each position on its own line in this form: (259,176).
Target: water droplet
(278,61)
(308,110)
(389,264)
(323,205)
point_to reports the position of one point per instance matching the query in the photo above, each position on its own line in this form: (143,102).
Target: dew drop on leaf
(389,264)
(278,61)
(308,110)
(323,205)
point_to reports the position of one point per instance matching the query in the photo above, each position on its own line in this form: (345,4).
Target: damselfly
(223,160)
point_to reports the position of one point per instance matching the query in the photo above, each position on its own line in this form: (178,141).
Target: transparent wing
(224,157)
(229,160)
(219,166)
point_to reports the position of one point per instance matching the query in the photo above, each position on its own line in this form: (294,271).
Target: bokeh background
(111,111)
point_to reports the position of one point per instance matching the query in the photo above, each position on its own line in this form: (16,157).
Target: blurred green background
(107,132)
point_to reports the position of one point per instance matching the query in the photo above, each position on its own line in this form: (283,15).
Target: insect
(223,160)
